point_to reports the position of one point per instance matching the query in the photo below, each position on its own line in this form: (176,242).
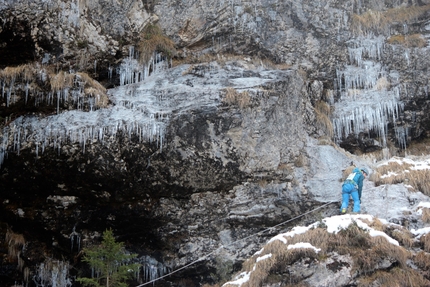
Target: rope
(222,246)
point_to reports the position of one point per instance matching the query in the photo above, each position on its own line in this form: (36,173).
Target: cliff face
(224,141)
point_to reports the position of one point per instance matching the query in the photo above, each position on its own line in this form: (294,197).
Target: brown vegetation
(367,252)
(153,40)
(56,81)
(410,41)
(396,172)
(425,241)
(422,260)
(16,243)
(323,122)
(395,277)
(379,21)
(233,97)
(425,214)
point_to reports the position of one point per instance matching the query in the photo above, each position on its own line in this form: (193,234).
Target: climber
(353,186)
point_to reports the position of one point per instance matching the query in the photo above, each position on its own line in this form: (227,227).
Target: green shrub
(110,262)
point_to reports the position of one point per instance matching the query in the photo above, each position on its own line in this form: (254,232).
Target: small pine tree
(109,263)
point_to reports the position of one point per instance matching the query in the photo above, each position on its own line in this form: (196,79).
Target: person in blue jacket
(353,186)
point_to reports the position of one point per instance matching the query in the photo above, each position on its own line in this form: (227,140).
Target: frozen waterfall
(135,113)
(368,100)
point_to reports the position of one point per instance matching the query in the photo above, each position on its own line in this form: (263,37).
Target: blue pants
(348,190)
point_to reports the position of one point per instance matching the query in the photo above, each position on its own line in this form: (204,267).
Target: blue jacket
(356,178)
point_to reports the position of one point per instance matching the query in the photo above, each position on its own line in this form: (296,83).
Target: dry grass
(396,277)
(94,88)
(29,72)
(57,81)
(377,225)
(102,99)
(153,39)
(394,173)
(425,214)
(422,260)
(233,97)
(368,252)
(425,241)
(403,236)
(323,112)
(382,84)
(419,180)
(60,81)
(384,249)
(90,81)
(379,21)
(410,41)
(12,73)
(25,72)
(419,148)
(16,243)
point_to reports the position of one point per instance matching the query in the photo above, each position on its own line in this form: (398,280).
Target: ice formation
(134,114)
(369,47)
(141,109)
(151,268)
(52,273)
(368,100)
(131,71)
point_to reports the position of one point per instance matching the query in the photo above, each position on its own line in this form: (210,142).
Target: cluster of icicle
(151,269)
(78,126)
(75,93)
(367,101)
(52,273)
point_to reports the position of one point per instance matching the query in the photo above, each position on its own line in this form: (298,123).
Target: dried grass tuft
(425,241)
(378,225)
(153,40)
(394,277)
(60,80)
(404,236)
(233,97)
(379,21)
(12,73)
(410,41)
(394,173)
(382,84)
(422,260)
(384,249)
(323,122)
(16,243)
(425,214)
(368,253)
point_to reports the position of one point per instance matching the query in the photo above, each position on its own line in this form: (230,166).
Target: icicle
(407,56)
(26,92)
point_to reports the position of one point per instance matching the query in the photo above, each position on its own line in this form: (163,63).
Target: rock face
(238,138)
